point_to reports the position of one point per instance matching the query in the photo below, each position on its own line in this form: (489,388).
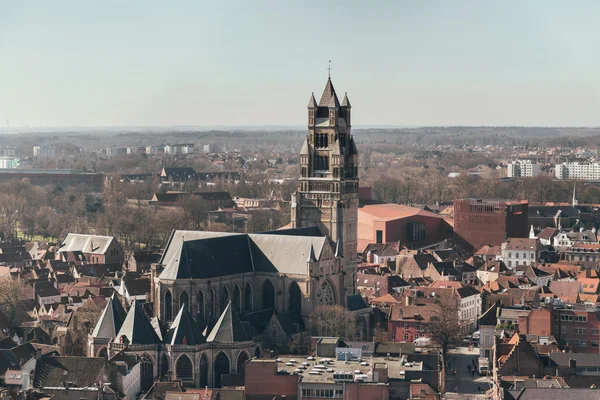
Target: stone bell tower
(327,194)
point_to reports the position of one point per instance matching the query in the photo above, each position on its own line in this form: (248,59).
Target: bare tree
(335,321)
(10,297)
(445,327)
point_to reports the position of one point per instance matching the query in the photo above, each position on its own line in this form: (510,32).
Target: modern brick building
(394,223)
(478,223)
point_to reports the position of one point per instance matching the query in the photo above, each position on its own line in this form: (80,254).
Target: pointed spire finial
(338,249)
(311,255)
(329,69)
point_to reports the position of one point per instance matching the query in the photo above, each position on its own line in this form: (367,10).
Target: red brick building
(407,323)
(575,327)
(478,222)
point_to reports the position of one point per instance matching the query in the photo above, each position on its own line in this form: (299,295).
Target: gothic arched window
(295,298)
(327,294)
(248,298)
(168,306)
(268,295)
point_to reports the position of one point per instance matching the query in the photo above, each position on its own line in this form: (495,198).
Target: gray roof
(79,371)
(228,328)
(86,243)
(581,359)
(199,255)
(304,150)
(184,329)
(334,102)
(547,393)
(312,103)
(346,102)
(137,327)
(111,320)
(328,93)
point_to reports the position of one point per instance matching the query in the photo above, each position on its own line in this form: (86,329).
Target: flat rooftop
(302,366)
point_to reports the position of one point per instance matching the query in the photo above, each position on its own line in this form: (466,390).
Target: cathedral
(214,295)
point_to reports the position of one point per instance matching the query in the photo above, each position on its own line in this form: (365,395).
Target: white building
(519,251)
(578,170)
(8,151)
(8,162)
(523,169)
(150,149)
(44,151)
(469,307)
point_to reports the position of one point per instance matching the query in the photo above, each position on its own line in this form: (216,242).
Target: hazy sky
(250,62)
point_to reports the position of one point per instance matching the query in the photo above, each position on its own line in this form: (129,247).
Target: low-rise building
(519,251)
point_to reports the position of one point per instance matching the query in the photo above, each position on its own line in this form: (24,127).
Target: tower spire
(574,198)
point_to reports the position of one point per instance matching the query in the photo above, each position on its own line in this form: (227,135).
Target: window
(379,235)
(580,331)
(594,344)
(406,337)
(579,343)
(563,329)
(510,263)
(580,318)
(565,317)
(517,256)
(531,256)
(393,336)
(416,231)
(509,255)
(595,331)
(406,326)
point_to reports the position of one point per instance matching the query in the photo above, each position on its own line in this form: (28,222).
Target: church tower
(327,194)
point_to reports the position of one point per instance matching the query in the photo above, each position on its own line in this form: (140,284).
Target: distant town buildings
(578,170)
(8,162)
(8,151)
(523,169)
(44,151)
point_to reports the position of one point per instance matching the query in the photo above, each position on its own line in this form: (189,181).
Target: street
(463,383)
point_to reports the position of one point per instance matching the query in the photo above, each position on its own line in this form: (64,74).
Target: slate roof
(581,359)
(137,327)
(346,102)
(205,255)
(328,94)
(467,291)
(531,393)
(228,328)
(45,289)
(111,320)
(93,244)
(355,302)
(291,322)
(137,287)
(146,257)
(184,329)
(181,173)
(80,371)
(312,103)
(489,317)
(16,356)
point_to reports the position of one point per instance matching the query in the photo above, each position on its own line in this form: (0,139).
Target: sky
(254,62)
